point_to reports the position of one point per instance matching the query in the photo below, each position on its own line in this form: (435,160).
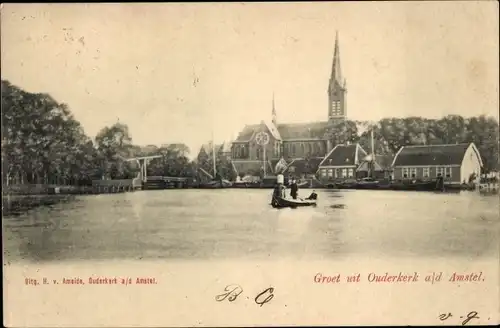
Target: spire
(336,70)
(274,118)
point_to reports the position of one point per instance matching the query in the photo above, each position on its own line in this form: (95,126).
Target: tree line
(42,143)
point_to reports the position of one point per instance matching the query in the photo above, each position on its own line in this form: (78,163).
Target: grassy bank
(17,204)
(17,199)
(44,189)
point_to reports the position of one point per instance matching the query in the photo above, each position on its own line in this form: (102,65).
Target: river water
(233,223)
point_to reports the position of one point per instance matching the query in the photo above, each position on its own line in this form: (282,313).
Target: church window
(336,110)
(302,149)
(276,149)
(293,150)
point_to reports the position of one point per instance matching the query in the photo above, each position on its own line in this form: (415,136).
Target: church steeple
(336,87)
(336,75)
(274,116)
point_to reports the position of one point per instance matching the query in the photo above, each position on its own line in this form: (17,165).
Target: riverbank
(13,205)
(44,189)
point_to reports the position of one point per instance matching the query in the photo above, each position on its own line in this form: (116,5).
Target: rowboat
(280,202)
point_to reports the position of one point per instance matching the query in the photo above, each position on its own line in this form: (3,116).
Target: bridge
(142,181)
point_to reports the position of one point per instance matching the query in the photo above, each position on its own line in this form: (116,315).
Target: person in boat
(276,194)
(313,196)
(277,190)
(294,189)
(282,191)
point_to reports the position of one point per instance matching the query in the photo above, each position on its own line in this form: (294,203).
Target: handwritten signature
(231,293)
(471,315)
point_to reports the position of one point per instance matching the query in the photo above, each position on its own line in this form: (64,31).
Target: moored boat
(215,184)
(413,185)
(372,184)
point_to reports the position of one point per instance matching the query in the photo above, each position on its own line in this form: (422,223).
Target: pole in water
(264,150)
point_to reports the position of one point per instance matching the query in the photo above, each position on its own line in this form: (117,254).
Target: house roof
(344,155)
(226,147)
(432,155)
(208,148)
(301,131)
(304,166)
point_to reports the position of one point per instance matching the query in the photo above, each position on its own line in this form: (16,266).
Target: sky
(186,72)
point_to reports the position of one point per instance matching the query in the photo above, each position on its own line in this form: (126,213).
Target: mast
(373,147)
(213,154)
(372,162)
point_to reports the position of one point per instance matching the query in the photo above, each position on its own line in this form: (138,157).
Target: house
(225,150)
(456,163)
(222,151)
(205,160)
(341,162)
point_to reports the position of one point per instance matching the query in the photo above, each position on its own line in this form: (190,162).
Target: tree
(342,132)
(114,144)
(42,142)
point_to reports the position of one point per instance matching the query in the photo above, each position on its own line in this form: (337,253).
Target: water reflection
(190,224)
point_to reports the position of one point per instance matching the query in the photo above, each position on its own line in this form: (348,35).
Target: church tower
(336,88)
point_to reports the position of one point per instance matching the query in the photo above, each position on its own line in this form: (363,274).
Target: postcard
(250,164)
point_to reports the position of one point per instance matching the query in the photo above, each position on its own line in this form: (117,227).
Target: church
(302,146)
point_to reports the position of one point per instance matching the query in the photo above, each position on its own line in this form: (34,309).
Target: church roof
(247,133)
(302,131)
(273,129)
(286,132)
(432,155)
(336,70)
